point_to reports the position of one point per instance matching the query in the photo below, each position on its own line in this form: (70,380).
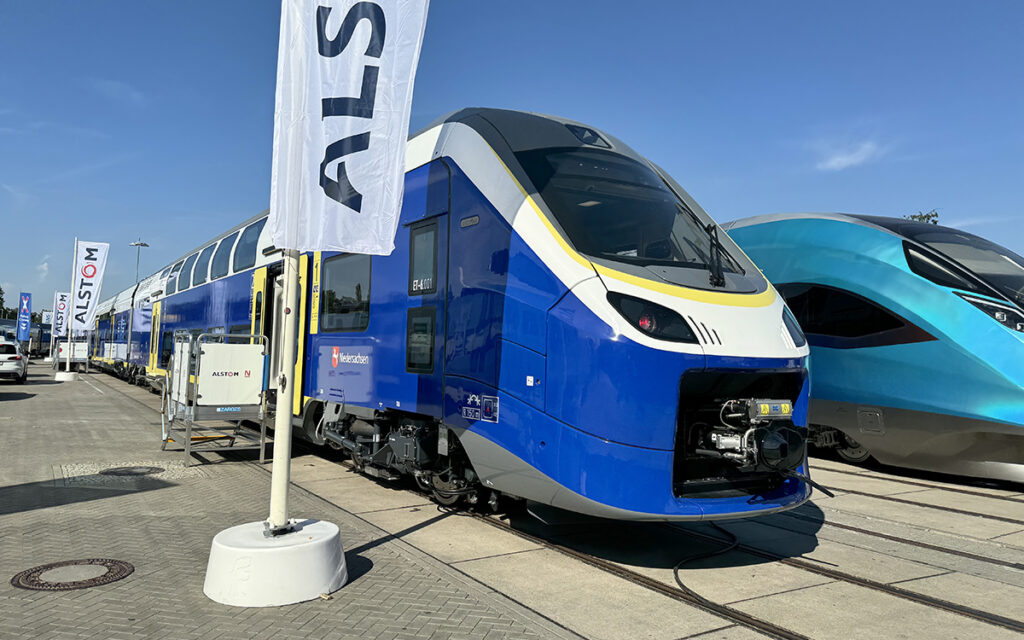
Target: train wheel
(446,493)
(852,451)
(313,424)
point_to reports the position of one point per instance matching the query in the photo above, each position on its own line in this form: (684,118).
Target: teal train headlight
(794,328)
(1004,314)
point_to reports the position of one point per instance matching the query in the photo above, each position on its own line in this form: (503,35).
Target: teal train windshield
(616,208)
(1000,267)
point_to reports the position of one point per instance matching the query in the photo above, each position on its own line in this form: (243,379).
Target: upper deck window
(185,277)
(345,297)
(616,208)
(245,252)
(171,281)
(222,259)
(202,265)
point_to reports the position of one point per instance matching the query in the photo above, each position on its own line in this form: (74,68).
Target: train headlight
(652,319)
(1004,314)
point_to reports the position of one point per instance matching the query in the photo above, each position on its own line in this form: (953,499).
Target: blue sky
(122,120)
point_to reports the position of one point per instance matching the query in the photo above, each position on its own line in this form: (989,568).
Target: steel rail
(937,603)
(964,512)
(914,483)
(885,536)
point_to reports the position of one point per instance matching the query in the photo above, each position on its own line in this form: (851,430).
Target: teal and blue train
(916,334)
(559,322)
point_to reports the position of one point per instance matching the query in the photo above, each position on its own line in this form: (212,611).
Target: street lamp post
(138,249)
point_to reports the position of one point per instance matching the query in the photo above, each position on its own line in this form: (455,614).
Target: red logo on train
(335,352)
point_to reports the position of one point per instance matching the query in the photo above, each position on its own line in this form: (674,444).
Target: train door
(154,339)
(300,343)
(268,317)
(425,315)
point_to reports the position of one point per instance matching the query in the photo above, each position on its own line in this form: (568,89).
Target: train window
(185,277)
(419,340)
(826,311)
(171,280)
(222,259)
(423,260)
(166,347)
(238,329)
(934,271)
(345,293)
(613,207)
(202,267)
(245,252)
(165,272)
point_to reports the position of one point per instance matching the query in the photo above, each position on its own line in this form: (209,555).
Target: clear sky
(121,120)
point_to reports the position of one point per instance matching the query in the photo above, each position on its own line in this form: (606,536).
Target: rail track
(722,610)
(925,485)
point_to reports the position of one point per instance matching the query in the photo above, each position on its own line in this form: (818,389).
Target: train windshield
(1000,267)
(616,208)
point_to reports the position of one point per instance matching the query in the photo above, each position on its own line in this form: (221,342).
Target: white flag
(345,72)
(60,314)
(89,265)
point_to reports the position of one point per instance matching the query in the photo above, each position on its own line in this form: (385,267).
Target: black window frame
(206,271)
(225,251)
(324,282)
(940,271)
(429,312)
(187,269)
(902,332)
(420,229)
(254,229)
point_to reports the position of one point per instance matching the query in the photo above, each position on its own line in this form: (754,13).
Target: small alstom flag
(90,262)
(61,299)
(345,75)
(24,317)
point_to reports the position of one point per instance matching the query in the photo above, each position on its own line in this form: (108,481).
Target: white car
(13,363)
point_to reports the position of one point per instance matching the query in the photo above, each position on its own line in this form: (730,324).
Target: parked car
(13,362)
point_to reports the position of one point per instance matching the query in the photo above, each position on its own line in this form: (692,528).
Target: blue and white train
(916,333)
(559,322)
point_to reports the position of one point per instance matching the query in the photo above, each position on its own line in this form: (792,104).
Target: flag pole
(278,522)
(71,297)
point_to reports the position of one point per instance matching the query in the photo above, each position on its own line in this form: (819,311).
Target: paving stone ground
(54,506)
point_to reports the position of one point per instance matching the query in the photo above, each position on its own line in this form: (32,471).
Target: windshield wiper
(716,275)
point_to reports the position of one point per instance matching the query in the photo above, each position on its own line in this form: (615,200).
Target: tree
(924,216)
(2,298)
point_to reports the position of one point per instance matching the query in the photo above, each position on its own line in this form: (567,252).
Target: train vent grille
(707,334)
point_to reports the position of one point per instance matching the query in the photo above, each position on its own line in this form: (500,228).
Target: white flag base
(65,376)
(248,569)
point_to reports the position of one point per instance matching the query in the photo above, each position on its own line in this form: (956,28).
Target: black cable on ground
(734,542)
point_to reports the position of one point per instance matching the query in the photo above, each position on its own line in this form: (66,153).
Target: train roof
(901,227)
(524,130)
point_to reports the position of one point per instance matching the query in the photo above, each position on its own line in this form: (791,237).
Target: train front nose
(644,436)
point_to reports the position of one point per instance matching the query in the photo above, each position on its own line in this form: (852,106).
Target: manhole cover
(72,574)
(131,471)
